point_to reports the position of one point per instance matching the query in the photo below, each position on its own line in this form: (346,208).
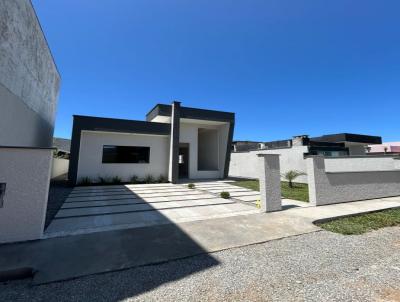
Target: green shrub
(191,186)
(85,181)
(225,195)
(134,179)
(116,180)
(291,175)
(103,180)
(149,179)
(162,179)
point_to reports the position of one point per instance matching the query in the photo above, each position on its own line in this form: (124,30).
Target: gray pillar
(317,180)
(270,182)
(174,143)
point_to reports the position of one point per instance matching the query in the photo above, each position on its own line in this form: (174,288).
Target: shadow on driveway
(58,193)
(64,258)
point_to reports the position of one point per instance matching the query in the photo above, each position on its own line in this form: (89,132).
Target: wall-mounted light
(181,161)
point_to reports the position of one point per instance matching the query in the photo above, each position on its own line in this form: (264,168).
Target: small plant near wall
(191,186)
(116,180)
(291,175)
(149,179)
(85,181)
(162,179)
(134,179)
(103,180)
(225,195)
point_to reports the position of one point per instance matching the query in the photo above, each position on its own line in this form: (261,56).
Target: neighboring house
(29,86)
(293,151)
(61,155)
(385,148)
(354,144)
(238,146)
(174,141)
(62,146)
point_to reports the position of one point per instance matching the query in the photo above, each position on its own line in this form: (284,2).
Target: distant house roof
(62,144)
(348,137)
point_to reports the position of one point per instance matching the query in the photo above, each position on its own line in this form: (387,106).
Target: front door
(184,161)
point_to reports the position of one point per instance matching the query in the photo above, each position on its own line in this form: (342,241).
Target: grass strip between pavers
(362,223)
(298,192)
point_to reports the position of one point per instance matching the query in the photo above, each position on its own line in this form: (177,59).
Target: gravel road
(320,266)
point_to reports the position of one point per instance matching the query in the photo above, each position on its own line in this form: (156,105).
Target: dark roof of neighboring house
(191,113)
(348,137)
(62,144)
(246,142)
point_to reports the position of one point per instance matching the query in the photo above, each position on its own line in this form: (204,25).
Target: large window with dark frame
(126,155)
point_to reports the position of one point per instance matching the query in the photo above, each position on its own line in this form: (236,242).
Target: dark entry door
(184,161)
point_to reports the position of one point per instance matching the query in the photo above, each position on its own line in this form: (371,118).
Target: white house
(344,146)
(175,142)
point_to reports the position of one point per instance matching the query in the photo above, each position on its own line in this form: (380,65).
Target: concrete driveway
(100,208)
(242,194)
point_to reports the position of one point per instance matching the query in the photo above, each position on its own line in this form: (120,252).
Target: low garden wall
(344,186)
(59,167)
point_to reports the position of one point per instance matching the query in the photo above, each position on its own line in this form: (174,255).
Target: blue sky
(284,67)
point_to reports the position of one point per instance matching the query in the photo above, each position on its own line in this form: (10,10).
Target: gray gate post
(270,182)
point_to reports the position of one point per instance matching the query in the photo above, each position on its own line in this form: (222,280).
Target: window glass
(126,155)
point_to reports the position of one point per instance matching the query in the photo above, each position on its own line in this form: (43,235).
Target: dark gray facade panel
(228,148)
(191,113)
(175,142)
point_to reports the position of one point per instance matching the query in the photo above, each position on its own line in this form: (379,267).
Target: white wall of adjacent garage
(91,152)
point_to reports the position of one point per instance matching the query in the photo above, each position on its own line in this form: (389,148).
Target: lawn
(299,192)
(363,223)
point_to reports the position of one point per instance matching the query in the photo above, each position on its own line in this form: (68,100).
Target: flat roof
(191,113)
(93,123)
(348,137)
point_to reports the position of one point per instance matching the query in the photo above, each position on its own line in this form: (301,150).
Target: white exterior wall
(336,187)
(26,173)
(91,152)
(354,164)
(189,134)
(59,167)
(29,80)
(208,151)
(244,164)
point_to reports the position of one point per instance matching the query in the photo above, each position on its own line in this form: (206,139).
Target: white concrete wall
(29,80)
(59,167)
(358,164)
(26,173)
(189,135)
(91,152)
(336,187)
(244,164)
